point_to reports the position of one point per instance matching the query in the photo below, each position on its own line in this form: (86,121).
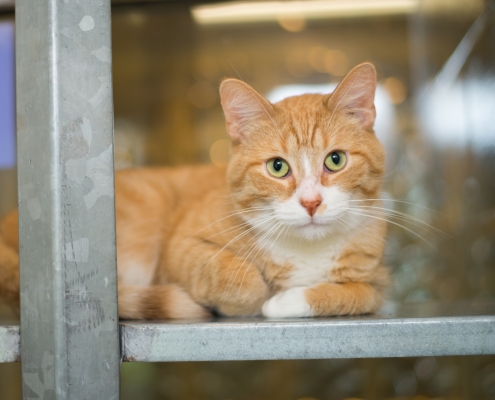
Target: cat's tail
(157,302)
(9,261)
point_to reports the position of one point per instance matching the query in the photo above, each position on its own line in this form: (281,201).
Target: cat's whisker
(391,222)
(260,247)
(382,212)
(263,256)
(348,223)
(267,249)
(235,239)
(231,214)
(396,201)
(286,230)
(247,209)
(257,243)
(405,217)
(241,225)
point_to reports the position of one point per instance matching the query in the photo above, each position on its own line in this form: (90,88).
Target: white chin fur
(312,231)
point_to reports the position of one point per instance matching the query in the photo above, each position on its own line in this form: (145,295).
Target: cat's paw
(287,304)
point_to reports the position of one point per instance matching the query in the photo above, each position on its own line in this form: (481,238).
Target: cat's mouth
(312,223)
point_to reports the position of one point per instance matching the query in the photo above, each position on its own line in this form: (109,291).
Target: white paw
(290,303)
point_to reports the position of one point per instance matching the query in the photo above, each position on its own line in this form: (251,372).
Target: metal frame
(70,335)
(69,323)
(364,337)
(414,330)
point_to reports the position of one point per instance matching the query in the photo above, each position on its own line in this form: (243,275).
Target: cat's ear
(242,105)
(355,95)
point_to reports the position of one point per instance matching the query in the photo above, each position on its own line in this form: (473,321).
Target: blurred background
(436,118)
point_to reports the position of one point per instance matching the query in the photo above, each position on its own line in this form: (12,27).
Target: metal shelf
(401,331)
(426,329)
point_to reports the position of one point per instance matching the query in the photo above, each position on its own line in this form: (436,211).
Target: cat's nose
(311,204)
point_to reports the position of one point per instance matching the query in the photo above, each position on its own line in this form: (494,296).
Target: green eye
(335,161)
(277,167)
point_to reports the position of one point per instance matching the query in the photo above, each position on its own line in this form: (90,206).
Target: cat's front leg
(324,299)
(218,279)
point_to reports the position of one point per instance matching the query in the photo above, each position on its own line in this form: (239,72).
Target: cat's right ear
(356,95)
(242,105)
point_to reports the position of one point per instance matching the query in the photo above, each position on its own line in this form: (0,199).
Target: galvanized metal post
(69,324)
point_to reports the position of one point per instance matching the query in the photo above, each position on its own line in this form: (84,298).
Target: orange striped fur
(196,240)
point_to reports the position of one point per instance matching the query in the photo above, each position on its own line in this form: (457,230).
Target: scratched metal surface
(423,329)
(9,344)
(415,330)
(66,202)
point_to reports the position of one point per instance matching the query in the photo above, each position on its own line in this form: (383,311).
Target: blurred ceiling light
(293,23)
(256,11)
(336,62)
(317,58)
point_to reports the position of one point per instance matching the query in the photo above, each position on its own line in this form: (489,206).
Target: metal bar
(9,344)
(386,335)
(424,329)
(69,325)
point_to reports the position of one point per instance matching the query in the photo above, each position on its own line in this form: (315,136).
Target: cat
(293,227)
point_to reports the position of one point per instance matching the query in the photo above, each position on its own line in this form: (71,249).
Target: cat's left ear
(242,106)
(355,95)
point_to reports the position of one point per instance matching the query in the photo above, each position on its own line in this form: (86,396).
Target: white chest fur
(311,263)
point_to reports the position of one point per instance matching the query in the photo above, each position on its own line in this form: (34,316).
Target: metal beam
(410,331)
(9,344)
(422,329)
(69,325)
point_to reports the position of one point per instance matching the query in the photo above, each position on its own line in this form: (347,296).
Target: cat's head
(298,164)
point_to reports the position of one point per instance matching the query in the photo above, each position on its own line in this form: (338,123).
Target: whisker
(397,201)
(286,230)
(232,213)
(405,217)
(254,226)
(241,225)
(244,258)
(391,222)
(273,231)
(415,222)
(349,224)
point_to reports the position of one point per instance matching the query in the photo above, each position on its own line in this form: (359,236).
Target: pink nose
(311,204)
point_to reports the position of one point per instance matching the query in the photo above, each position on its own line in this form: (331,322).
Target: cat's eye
(277,167)
(335,161)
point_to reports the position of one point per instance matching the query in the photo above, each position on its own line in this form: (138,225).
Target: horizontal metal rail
(385,335)
(427,329)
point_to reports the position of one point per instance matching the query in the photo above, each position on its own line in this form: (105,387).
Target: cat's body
(246,241)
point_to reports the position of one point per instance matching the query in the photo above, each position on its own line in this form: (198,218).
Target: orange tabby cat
(280,233)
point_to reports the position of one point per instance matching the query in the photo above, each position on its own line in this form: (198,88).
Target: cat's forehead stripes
(308,170)
(302,120)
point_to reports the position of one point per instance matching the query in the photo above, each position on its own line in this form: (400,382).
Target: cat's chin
(313,231)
